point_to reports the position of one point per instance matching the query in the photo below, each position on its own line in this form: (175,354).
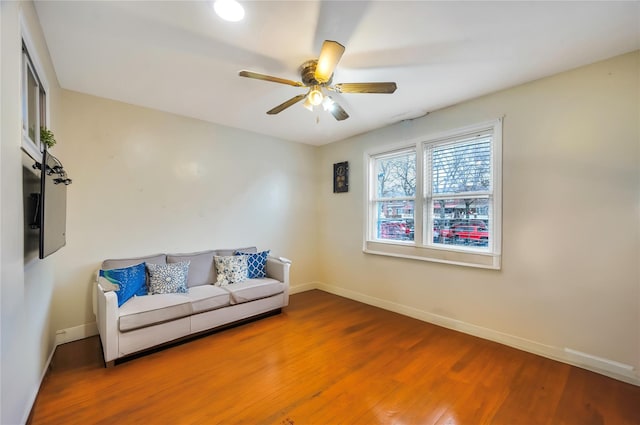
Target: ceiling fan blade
(338,113)
(286,104)
(365,87)
(328,60)
(250,74)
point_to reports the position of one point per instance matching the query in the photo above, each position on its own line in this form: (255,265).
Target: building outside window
(439,194)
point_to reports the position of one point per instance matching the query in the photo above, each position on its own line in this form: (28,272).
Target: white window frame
(31,64)
(422,247)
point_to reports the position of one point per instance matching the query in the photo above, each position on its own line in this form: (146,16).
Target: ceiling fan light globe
(328,104)
(315,97)
(229,10)
(307,104)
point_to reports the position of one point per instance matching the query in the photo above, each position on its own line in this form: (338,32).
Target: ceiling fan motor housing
(308,71)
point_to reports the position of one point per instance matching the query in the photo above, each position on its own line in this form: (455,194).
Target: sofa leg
(112,363)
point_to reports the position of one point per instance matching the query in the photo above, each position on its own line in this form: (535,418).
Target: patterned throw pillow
(131,281)
(256,263)
(168,278)
(231,269)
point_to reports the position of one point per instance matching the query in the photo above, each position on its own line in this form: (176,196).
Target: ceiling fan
(317,75)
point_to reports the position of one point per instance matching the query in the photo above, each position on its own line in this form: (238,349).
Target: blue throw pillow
(131,280)
(257,263)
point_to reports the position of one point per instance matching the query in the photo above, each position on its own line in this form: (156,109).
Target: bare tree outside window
(462,168)
(397,176)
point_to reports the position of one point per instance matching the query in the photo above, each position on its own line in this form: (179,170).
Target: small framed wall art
(341,177)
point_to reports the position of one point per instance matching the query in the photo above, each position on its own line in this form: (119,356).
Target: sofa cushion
(202,270)
(256,264)
(168,278)
(150,310)
(231,269)
(230,252)
(126,262)
(207,297)
(254,289)
(131,281)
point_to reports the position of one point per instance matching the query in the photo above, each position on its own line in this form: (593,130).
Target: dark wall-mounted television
(46,209)
(53,205)
(30,207)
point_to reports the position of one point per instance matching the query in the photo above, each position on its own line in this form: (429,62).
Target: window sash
(35,102)
(31,99)
(455,143)
(376,197)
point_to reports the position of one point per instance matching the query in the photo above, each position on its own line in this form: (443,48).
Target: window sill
(31,148)
(466,258)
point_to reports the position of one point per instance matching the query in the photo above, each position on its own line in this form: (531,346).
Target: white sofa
(147,321)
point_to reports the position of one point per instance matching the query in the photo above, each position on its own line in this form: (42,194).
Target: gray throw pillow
(202,270)
(230,252)
(127,262)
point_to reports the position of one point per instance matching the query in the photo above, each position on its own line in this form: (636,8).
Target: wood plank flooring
(329,360)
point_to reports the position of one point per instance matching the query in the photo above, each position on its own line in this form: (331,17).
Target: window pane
(461,221)
(33,107)
(394,220)
(396,175)
(43,108)
(464,167)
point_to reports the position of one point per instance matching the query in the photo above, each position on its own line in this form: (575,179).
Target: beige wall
(25,289)
(145,182)
(571,236)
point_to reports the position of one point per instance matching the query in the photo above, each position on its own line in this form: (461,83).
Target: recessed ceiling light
(229,10)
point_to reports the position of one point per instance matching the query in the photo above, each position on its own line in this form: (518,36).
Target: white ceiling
(180,57)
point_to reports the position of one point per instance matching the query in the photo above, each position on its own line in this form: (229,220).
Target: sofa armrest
(107,320)
(279,270)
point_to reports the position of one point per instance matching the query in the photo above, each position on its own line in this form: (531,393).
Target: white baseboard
(36,391)
(77,332)
(607,367)
(62,337)
(590,361)
(303,287)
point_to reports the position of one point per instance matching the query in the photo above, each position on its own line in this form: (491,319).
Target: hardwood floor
(329,360)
